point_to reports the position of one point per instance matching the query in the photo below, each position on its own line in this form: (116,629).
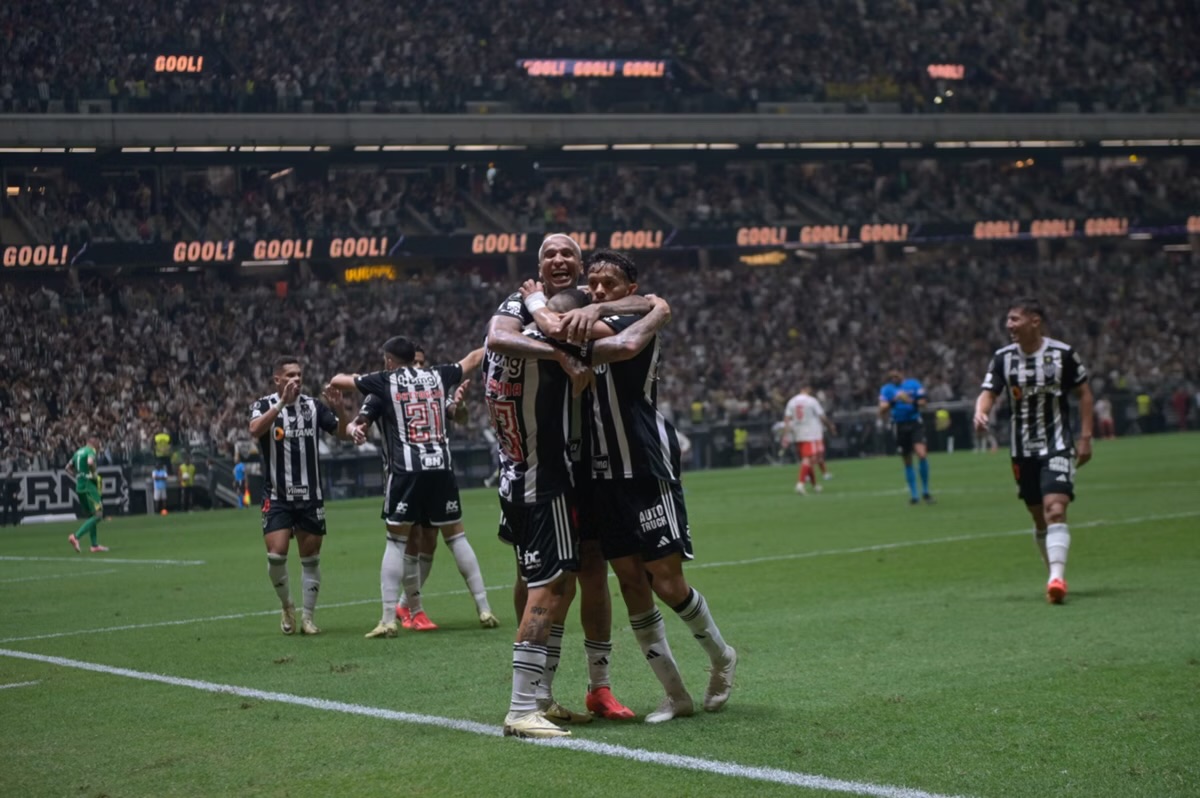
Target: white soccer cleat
(672,707)
(720,683)
(828,475)
(817,488)
(488,620)
(800,489)
(531,725)
(383,630)
(307,627)
(287,620)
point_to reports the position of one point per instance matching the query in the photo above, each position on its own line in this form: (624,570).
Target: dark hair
(418,348)
(1030,305)
(610,257)
(400,348)
(283,360)
(568,299)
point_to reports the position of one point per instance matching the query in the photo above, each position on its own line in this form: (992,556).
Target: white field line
(20,684)
(57,576)
(716,767)
(105,560)
(730,563)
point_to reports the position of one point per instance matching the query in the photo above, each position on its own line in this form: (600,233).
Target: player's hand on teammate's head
(530,287)
(576,325)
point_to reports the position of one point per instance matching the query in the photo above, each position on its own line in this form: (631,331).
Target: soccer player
(87,487)
(635,476)
(286,424)
(529,402)
(422,539)
(903,400)
(807,421)
(158,478)
(560,264)
(1038,372)
(421,483)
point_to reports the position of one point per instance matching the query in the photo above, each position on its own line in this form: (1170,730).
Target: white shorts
(160,494)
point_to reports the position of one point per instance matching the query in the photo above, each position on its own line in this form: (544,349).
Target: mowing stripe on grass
(905,544)
(106,560)
(57,576)
(771,558)
(20,684)
(716,767)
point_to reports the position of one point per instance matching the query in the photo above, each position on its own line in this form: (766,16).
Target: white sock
(1058,541)
(425,563)
(529,667)
(311,579)
(651,634)
(598,656)
(1039,537)
(391,570)
(412,583)
(553,655)
(468,566)
(694,612)
(277,570)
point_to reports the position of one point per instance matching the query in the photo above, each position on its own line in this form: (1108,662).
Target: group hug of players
(589,479)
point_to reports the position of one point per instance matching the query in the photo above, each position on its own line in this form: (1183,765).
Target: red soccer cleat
(404,616)
(603,704)
(96,549)
(421,623)
(1056,591)
(74,541)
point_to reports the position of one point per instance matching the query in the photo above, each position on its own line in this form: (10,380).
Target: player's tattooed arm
(633,339)
(578,326)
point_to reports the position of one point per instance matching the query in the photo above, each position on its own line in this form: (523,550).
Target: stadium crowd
(288,55)
(255,203)
(127,359)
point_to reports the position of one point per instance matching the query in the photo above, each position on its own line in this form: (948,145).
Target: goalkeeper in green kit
(87,486)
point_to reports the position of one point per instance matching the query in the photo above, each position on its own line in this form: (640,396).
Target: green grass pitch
(885,650)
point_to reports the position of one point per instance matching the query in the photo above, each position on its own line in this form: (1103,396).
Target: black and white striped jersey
(529,402)
(413,415)
(1038,387)
(630,437)
(291,462)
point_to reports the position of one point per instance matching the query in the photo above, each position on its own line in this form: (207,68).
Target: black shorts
(545,537)
(429,498)
(306,516)
(1039,476)
(908,435)
(644,516)
(584,502)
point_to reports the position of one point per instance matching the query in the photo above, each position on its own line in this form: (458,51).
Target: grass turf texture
(882,644)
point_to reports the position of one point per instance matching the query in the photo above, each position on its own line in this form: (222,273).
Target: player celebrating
(422,538)
(286,424)
(805,418)
(560,264)
(635,478)
(904,399)
(421,482)
(87,487)
(1038,372)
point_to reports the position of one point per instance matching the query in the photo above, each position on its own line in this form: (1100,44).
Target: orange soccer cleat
(1056,591)
(421,623)
(603,704)
(404,616)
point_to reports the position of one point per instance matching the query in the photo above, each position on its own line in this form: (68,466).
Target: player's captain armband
(535,301)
